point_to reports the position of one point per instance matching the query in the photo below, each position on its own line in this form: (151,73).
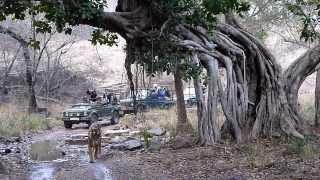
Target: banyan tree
(258,98)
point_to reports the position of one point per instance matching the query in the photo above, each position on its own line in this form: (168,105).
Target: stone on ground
(3,169)
(157,131)
(132,144)
(116,132)
(155,144)
(134,133)
(81,141)
(183,142)
(77,136)
(120,146)
(118,139)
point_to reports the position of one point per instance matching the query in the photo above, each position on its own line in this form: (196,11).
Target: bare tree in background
(8,66)
(32,107)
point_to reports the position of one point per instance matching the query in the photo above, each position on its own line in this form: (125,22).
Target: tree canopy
(258,100)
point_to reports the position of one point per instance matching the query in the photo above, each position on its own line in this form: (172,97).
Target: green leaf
(34,43)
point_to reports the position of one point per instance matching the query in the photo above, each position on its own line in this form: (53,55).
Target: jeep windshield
(81,106)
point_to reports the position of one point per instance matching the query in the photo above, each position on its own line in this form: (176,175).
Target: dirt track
(262,160)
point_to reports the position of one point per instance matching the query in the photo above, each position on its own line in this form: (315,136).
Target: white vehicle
(190,96)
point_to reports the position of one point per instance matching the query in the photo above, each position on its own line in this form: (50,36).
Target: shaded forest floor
(276,159)
(279,158)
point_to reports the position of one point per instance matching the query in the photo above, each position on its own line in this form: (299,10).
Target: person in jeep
(91,96)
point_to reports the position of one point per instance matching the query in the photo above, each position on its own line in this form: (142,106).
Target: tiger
(94,141)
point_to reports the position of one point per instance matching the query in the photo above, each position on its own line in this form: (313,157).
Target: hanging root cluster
(253,100)
(257,99)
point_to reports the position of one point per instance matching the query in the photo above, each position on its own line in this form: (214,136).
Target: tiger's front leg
(90,151)
(99,147)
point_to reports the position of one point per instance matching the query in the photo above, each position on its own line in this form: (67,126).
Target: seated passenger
(93,96)
(162,93)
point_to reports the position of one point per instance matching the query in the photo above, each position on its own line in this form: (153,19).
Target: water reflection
(46,157)
(45,151)
(43,171)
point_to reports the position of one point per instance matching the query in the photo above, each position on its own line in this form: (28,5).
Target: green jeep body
(89,113)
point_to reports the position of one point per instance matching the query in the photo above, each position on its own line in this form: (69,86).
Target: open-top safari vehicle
(89,113)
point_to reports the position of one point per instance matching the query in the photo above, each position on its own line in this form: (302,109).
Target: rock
(3,169)
(237,178)
(155,144)
(219,162)
(183,142)
(157,131)
(133,133)
(79,136)
(116,132)
(2,139)
(76,141)
(18,150)
(120,146)
(118,139)
(7,151)
(116,128)
(16,139)
(132,144)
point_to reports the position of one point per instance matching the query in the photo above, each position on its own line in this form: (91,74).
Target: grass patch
(300,147)
(155,118)
(15,123)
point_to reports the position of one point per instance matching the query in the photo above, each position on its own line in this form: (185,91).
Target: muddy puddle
(49,158)
(45,151)
(43,171)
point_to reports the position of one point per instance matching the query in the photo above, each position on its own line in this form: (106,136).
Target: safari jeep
(89,113)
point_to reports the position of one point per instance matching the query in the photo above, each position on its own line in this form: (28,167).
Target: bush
(300,147)
(160,118)
(15,123)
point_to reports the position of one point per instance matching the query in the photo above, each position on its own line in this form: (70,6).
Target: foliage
(16,123)
(63,15)
(195,12)
(59,15)
(108,38)
(252,153)
(309,13)
(300,147)
(146,137)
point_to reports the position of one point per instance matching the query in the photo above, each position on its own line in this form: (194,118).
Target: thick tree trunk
(258,101)
(8,69)
(128,62)
(32,107)
(209,127)
(239,53)
(182,123)
(201,107)
(317,100)
(294,76)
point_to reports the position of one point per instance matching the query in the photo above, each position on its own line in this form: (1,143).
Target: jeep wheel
(67,125)
(115,118)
